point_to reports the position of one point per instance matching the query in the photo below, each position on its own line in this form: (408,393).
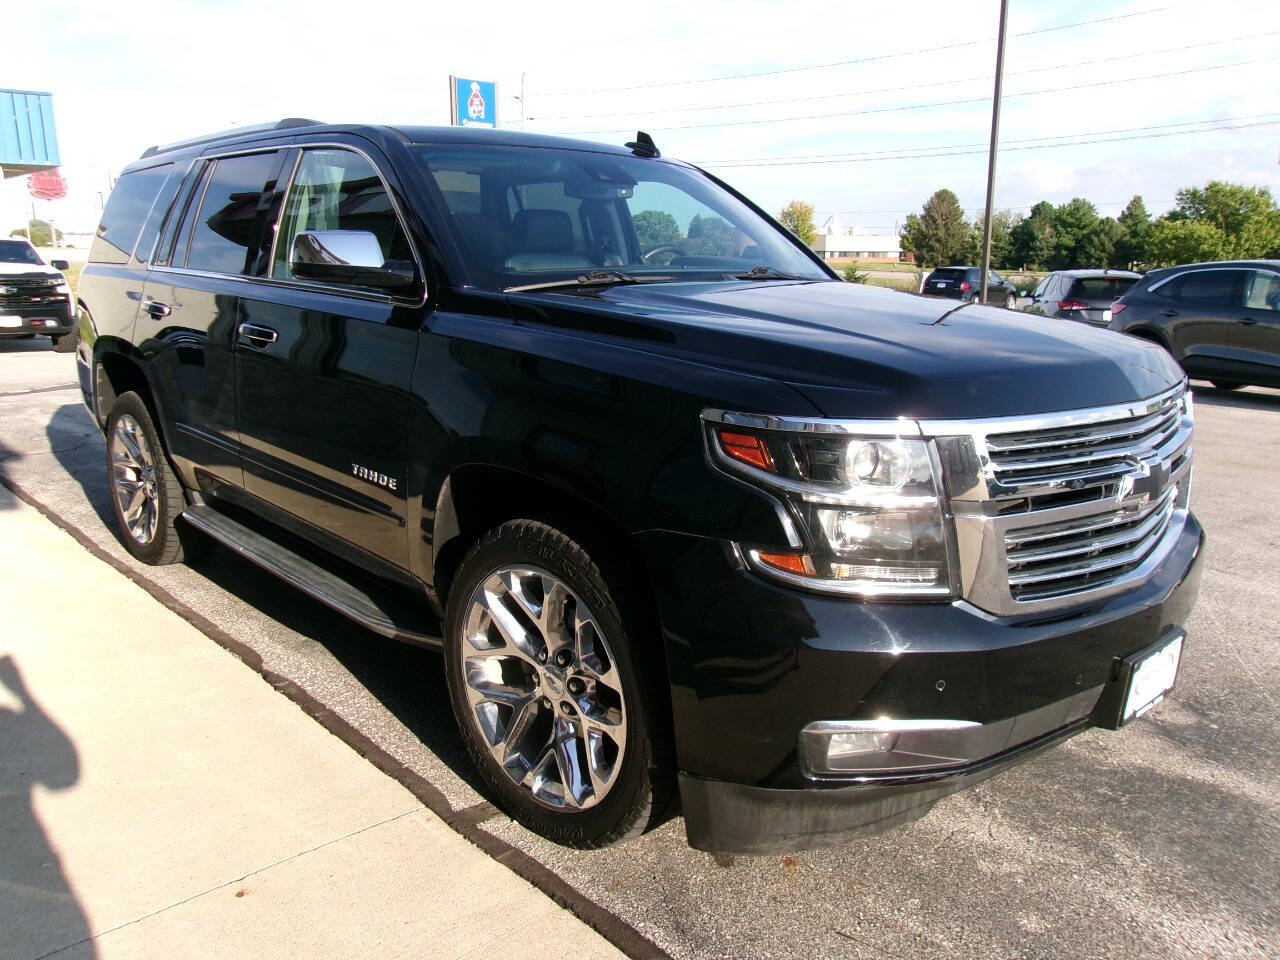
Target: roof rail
(284,124)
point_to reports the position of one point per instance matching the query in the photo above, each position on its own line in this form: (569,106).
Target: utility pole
(991,155)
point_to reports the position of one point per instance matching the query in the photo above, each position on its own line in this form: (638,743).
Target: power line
(836,157)
(983,150)
(935,103)
(875,59)
(914,86)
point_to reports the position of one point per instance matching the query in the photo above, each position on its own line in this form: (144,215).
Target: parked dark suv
(965,283)
(690,518)
(1221,321)
(1087,296)
(34,296)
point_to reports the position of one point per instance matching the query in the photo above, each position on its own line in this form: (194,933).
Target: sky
(743,88)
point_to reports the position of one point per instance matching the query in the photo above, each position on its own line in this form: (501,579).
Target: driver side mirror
(347,257)
(60,264)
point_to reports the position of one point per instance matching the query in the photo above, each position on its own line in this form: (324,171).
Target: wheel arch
(115,371)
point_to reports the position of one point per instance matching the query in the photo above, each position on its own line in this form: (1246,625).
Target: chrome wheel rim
(133,480)
(543,688)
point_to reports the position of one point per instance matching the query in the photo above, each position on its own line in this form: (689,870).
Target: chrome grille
(1052,510)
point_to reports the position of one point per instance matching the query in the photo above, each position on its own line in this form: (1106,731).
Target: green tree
(797,216)
(1033,237)
(853,275)
(939,234)
(1246,217)
(38,232)
(712,236)
(1003,223)
(1075,225)
(1135,228)
(655,228)
(1184,241)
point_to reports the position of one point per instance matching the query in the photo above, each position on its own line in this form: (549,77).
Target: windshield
(523,215)
(19,251)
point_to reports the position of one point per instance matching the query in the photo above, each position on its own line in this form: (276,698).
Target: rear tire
(146,493)
(1010,302)
(564,714)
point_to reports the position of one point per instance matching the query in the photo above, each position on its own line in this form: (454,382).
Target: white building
(836,242)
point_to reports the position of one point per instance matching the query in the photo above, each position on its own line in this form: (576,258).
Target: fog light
(853,747)
(842,746)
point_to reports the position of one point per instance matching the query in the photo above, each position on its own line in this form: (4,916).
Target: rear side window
(1101,288)
(1263,291)
(338,190)
(1210,288)
(130,202)
(225,226)
(151,230)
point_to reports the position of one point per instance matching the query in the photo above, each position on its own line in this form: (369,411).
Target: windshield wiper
(597,278)
(766,273)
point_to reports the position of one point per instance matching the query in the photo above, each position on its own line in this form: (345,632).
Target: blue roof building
(28,141)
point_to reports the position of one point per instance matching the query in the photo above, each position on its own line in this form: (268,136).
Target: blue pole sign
(473,103)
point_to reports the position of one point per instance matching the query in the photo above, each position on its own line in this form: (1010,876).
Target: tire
(1227,385)
(65,343)
(514,697)
(1010,302)
(138,465)
(974,299)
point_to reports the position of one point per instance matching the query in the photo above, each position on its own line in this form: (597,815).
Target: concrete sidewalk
(159,799)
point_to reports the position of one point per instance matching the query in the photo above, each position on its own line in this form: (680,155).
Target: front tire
(561,710)
(1010,302)
(145,491)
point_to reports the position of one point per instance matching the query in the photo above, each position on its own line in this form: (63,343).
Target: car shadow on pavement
(408,681)
(1249,399)
(39,912)
(25,345)
(6,454)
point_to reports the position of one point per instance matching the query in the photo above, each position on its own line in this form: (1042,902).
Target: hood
(27,270)
(858,351)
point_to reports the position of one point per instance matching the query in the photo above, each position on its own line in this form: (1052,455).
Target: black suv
(689,518)
(1087,296)
(1221,321)
(34,296)
(965,283)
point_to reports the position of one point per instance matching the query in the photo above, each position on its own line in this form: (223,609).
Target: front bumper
(47,319)
(752,664)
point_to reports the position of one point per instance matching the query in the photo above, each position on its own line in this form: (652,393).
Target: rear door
(1256,335)
(324,370)
(1200,308)
(208,251)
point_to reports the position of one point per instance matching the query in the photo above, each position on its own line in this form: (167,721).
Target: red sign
(47,185)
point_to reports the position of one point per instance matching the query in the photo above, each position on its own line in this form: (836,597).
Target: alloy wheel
(543,688)
(133,479)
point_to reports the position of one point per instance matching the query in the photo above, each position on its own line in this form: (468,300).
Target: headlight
(866,495)
(63,288)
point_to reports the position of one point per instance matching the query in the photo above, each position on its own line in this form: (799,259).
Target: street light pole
(991,156)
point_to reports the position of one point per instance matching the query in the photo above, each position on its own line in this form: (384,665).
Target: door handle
(155,308)
(254,335)
(1169,313)
(1248,321)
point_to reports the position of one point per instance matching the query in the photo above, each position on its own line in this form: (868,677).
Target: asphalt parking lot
(1163,840)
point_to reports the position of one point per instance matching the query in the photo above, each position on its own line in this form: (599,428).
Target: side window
(126,210)
(151,230)
(1262,291)
(1042,288)
(1210,288)
(339,190)
(223,233)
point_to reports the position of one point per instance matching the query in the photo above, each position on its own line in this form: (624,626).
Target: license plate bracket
(1141,681)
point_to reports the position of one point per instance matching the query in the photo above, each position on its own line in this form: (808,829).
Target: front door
(323,370)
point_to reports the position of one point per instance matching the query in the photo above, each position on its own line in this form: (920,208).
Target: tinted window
(224,226)
(1042,288)
(949,273)
(151,230)
(127,208)
(1262,291)
(1102,288)
(339,190)
(1210,288)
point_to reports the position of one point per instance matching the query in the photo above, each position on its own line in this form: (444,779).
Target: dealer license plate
(10,321)
(1152,678)
(1106,316)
